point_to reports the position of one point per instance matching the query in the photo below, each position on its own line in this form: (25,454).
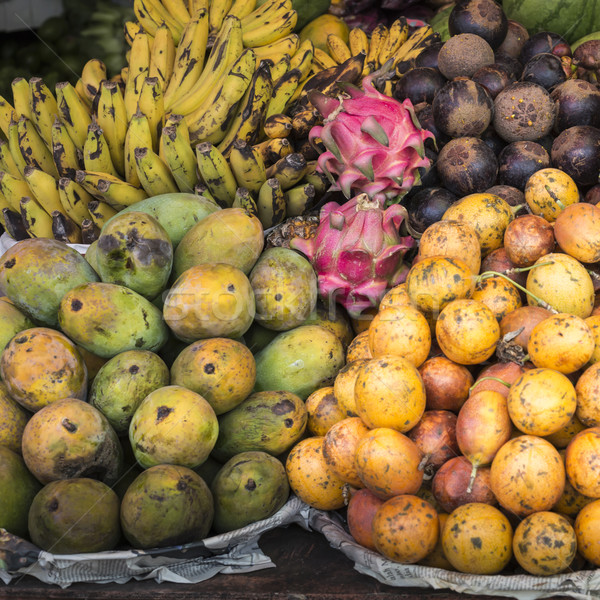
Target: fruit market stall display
(278,269)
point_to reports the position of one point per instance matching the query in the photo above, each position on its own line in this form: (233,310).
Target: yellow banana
(92,75)
(304,121)
(89,181)
(177,153)
(201,189)
(37,221)
(418,40)
(216,173)
(44,108)
(195,5)
(267,11)
(20,91)
(162,57)
(242,8)
(279,68)
(13,189)
(73,113)
(319,180)
(274,28)
(299,199)
(388,87)
(273,149)
(288,170)
(151,104)
(6,114)
(44,189)
(65,229)
(153,173)
(96,155)
(398,34)
(152,14)
(120,194)
(243,199)
(80,88)
(142,14)
(282,92)
(74,199)
(358,41)
(228,46)
(217,11)
(100,213)
(4,205)
(189,58)
(130,28)
(138,136)
(124,75)
(33,147)
(302,59)
(139,66)
(322,59)
(377,41)
(277,125)
(210,122)
(7,162)
(90,232)
(270,203)
(15,149)
(178,10)
(247,166)
(337,48)
(277,49)
(246,122)
(112,119)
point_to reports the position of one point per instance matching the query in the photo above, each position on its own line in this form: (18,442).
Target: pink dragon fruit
(357,252)
(374,143)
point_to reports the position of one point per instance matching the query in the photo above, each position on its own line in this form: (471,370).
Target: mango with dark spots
(221,370)
(40,366)
(232,236)
(36,273)
(134,250)
(12,321)
(18,488)
(123,382)
(333,318)
(269,422)
(285,288)
(70,438)
(300,360)
(75,515)
(173,425)
(91,255)
(177,213)
(210,300)
(13,419)
(250,486)
(166,505)
(106,319)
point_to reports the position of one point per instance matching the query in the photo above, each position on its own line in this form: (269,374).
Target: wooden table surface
(307,568)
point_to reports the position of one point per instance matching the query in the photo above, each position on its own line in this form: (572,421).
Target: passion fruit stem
(541,302)
(472,478)
(490,378)
(423,462)
(594,275)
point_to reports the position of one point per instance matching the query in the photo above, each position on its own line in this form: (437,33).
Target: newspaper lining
(582,585)
(232,552)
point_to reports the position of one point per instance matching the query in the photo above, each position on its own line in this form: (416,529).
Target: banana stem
(541,302)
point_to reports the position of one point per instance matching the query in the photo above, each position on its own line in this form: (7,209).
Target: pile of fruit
(421,354)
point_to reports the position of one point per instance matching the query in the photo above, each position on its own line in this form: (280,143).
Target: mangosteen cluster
(502,105)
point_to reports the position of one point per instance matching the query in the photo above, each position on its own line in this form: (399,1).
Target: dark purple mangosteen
(419,85)
(544,41)
(545,69)
(577,103)
(576,151)
(484,18)
(428,206)
(519,161)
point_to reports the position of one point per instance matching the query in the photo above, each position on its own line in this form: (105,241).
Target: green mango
(300,360)
(177,212)
(12,321)
(18,488)
(91,255)
(107,319)
(166,505)
(36,273)
(268,422)
(134,250)
(123,382)
(285,289)
(77,515)
(308,10)
(249,487)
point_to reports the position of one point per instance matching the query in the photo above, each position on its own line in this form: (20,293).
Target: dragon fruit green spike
(357,252)
(374,143)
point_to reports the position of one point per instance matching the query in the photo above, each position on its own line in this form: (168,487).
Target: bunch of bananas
(394,43)
(213,100)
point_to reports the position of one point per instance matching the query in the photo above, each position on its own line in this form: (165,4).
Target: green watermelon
(570,18)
